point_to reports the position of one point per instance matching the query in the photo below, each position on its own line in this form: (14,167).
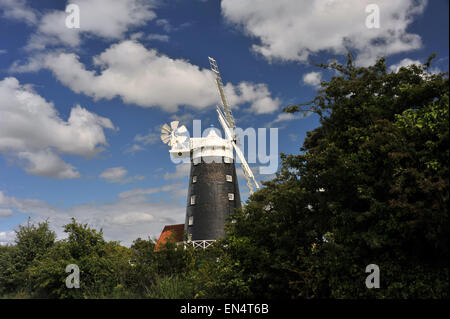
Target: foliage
(370,185)
(31,244)
(103,265)
(171,287)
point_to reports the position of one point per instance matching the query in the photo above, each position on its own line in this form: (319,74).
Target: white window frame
(230,196)
(192,199)
(190,220)
(229,178)
(194,179)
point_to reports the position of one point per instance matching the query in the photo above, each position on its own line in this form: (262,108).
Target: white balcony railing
(199,243)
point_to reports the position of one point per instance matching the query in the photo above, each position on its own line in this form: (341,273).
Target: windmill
(213,186)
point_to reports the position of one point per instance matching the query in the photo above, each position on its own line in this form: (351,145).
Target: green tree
(31,244)
(104,266)
(7,269)
(370,185)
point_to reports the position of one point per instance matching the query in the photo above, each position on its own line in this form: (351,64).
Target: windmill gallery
(213,191)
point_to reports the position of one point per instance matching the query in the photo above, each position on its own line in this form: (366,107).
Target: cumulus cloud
(165,24)
(133,149)
(293,30)
(149,191)
(149,138)
(147,78)
(281,117)
(130,219)
(32,131)
(117,175)
(5,212)
(114,174)
(142,140)
(158,37)
(408,62)
(403,63)
(257,94)
(181,171)
(313,79)
(124,219)
(47,164)
(7,237)
(18,10)
(107,19)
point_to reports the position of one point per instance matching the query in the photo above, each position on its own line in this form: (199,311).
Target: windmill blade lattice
(174,135)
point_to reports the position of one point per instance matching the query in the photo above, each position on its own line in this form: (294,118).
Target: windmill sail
(225,107)
(173,135)
(227,121)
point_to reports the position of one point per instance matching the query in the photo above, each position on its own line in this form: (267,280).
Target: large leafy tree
(369,186)
(31,244)
(103,265)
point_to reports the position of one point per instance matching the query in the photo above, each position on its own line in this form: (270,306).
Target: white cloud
(107,19)
(168,27)
(134,148)
(18,10)
(181,171)
(148,79)
(257,94)
(149,37)
(47,164)
(150,191)
(130,219)
(7,237)
(5,212)
(141,140)
(404,63)
(31,130)
(150,138)
(165,24)
(117,175)
(286,117)
(158,37)
(313,79)
(183,118)
(293,30)
(125,219)
(407,62)
(114,174)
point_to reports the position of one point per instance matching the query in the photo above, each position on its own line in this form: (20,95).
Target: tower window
(194,179)
(193,200)
(230,196)
(191,220)
(229,178)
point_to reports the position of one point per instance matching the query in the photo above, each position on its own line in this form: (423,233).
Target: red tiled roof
(172,232)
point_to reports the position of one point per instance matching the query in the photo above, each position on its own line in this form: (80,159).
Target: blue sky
(80,109)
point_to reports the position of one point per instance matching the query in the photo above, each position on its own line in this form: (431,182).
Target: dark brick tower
(213,188)
(213,194)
